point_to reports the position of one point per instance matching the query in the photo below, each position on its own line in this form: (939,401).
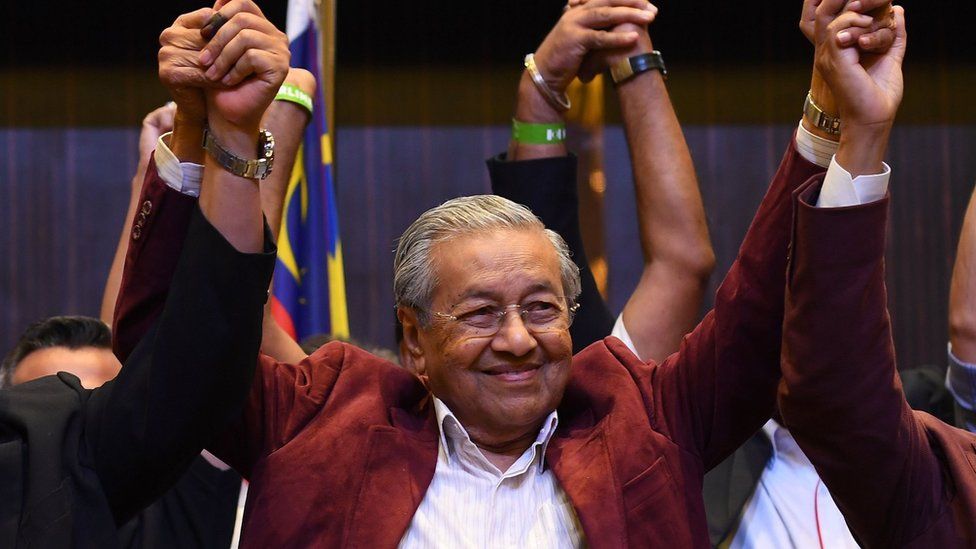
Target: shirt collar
(453,433)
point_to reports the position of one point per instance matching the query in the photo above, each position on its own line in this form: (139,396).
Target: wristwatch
(816,116)
(259,168)
(625,69)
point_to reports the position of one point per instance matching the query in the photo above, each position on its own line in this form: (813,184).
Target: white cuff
(814,149)
(840,189)
(183,177)
(620,332)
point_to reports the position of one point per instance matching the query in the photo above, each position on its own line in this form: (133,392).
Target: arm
(962,322)
(543,177)
(154,124)
(193,369)
(840,396)
(286,121)
(962,291)
(678,257)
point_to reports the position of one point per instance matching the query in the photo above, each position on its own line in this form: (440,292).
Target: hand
(582,30)
(179,69)
(599,61)
(877,38)
(248,59)
(154,125)
(867,87)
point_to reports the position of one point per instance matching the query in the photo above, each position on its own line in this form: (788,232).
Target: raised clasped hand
(245,63)
(587,26)
(867,87)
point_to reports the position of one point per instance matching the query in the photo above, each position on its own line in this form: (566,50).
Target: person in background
(80,345)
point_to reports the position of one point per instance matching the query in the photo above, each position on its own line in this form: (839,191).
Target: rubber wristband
(538,134)
(292,93)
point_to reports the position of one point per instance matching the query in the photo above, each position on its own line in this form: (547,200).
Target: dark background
(440,32)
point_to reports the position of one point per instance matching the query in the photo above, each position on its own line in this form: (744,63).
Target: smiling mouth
(514,374)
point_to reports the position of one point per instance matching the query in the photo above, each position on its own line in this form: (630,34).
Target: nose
(513,337)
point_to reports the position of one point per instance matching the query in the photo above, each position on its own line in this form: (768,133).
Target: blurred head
(485,292)
(76,344)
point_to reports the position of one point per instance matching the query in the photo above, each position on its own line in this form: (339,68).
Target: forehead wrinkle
(490,271)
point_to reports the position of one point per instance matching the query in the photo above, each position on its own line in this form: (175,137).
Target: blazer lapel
(399,466)
(580,459)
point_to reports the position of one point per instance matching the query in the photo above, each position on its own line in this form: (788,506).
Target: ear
(411,353)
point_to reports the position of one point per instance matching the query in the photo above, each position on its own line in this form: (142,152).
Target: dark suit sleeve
(158,232)
(189,375)
(841,396)
(548,187)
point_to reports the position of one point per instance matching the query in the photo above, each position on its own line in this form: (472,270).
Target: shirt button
(146,207)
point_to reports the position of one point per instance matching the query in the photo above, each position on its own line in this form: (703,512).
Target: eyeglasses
(538,316)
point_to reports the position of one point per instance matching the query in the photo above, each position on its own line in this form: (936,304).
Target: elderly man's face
(503,384)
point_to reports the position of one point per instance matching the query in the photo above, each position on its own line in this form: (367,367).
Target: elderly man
(504,437)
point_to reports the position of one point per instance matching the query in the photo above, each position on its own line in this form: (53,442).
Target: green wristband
(538,134)
(291,92)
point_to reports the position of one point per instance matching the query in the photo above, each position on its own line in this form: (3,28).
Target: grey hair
(413,270)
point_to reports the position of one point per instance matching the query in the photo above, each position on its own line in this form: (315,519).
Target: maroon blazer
(901,478)
(341,448)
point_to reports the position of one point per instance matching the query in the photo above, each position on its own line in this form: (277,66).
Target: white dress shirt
(470,503)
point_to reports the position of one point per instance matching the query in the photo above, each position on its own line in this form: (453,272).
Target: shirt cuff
(814,149)
(961,381)
(620,332)
(840,189)
(182,177)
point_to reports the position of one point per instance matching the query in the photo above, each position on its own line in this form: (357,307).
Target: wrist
(862,149)
(532,106)
(240,140)
(643,45)
(186,139)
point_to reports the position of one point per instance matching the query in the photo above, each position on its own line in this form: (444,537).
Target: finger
(636,4)
(844,27)
(245,40)
(178,68)
(601,40)
(182,37)
(225,12)
(606,17)
(867,6)
(257,62)
(195,19)
(901,31)
(237,24)
(878,41)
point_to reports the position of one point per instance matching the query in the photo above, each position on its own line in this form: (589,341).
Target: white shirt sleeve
(183,177)
(839,188)
(620,332)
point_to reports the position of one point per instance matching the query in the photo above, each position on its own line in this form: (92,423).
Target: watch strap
(625,69)
(259,168)
(821,120)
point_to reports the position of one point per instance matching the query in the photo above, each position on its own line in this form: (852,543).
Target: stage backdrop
(63,195)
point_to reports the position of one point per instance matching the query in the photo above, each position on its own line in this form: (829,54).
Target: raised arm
(962,322)
(191,372)
(840,395)
(537,171)
(678,257)
(154,124)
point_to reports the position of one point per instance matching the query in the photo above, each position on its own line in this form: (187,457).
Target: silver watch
(251,169)
(820,119)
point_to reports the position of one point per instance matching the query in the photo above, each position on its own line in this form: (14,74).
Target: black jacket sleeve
(188,377)
(548,187)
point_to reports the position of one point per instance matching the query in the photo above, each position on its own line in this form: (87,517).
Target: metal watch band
(816,116)
(259,168)
(626,69)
